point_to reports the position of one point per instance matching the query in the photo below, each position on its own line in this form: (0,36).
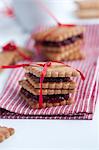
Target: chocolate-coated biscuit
(58,33)
(51,85)
(61,49)
(27,86)
(34,105)
(55,70)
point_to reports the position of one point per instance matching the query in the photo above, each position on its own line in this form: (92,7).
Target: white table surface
(45,134)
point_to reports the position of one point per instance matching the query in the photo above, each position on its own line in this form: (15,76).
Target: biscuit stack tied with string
(57,86)
(60,43)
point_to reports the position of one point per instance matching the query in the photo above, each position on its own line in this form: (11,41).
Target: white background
(46,134)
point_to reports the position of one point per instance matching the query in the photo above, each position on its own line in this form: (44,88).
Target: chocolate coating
(60,43)
(47,79)
(46,98)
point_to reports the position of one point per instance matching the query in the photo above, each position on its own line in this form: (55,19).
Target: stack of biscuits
(57,86)
(60,43)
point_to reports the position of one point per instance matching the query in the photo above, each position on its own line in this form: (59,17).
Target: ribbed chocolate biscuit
(58,33)
(61,49)
(46,98)
(55,70)
(49,79)
(26,85)
(34,105)
(58,44)
(51,85)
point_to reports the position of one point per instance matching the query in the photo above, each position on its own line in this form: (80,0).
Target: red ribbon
(43,73)
(8,10)
(81,74)
(11,46)
(42,5)
(66,25)
(13,66)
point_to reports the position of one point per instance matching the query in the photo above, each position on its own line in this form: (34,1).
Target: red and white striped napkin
(12,106)
(85,97)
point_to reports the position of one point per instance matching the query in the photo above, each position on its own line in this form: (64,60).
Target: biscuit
(46,98)
(46,104)
(6,58)
(75,56)
(88,4)
(27,86)
(5,133)
(51,85)
(56,41)
(58,33)
(61,49)
(55,70)
(87,13)
(12,57)
(23,51)
(66,55)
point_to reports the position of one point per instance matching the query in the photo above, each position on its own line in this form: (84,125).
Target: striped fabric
(12,106)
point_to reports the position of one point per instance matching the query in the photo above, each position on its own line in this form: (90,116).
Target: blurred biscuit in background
(87,9)
(15,56)
(87,13)
(87,4)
